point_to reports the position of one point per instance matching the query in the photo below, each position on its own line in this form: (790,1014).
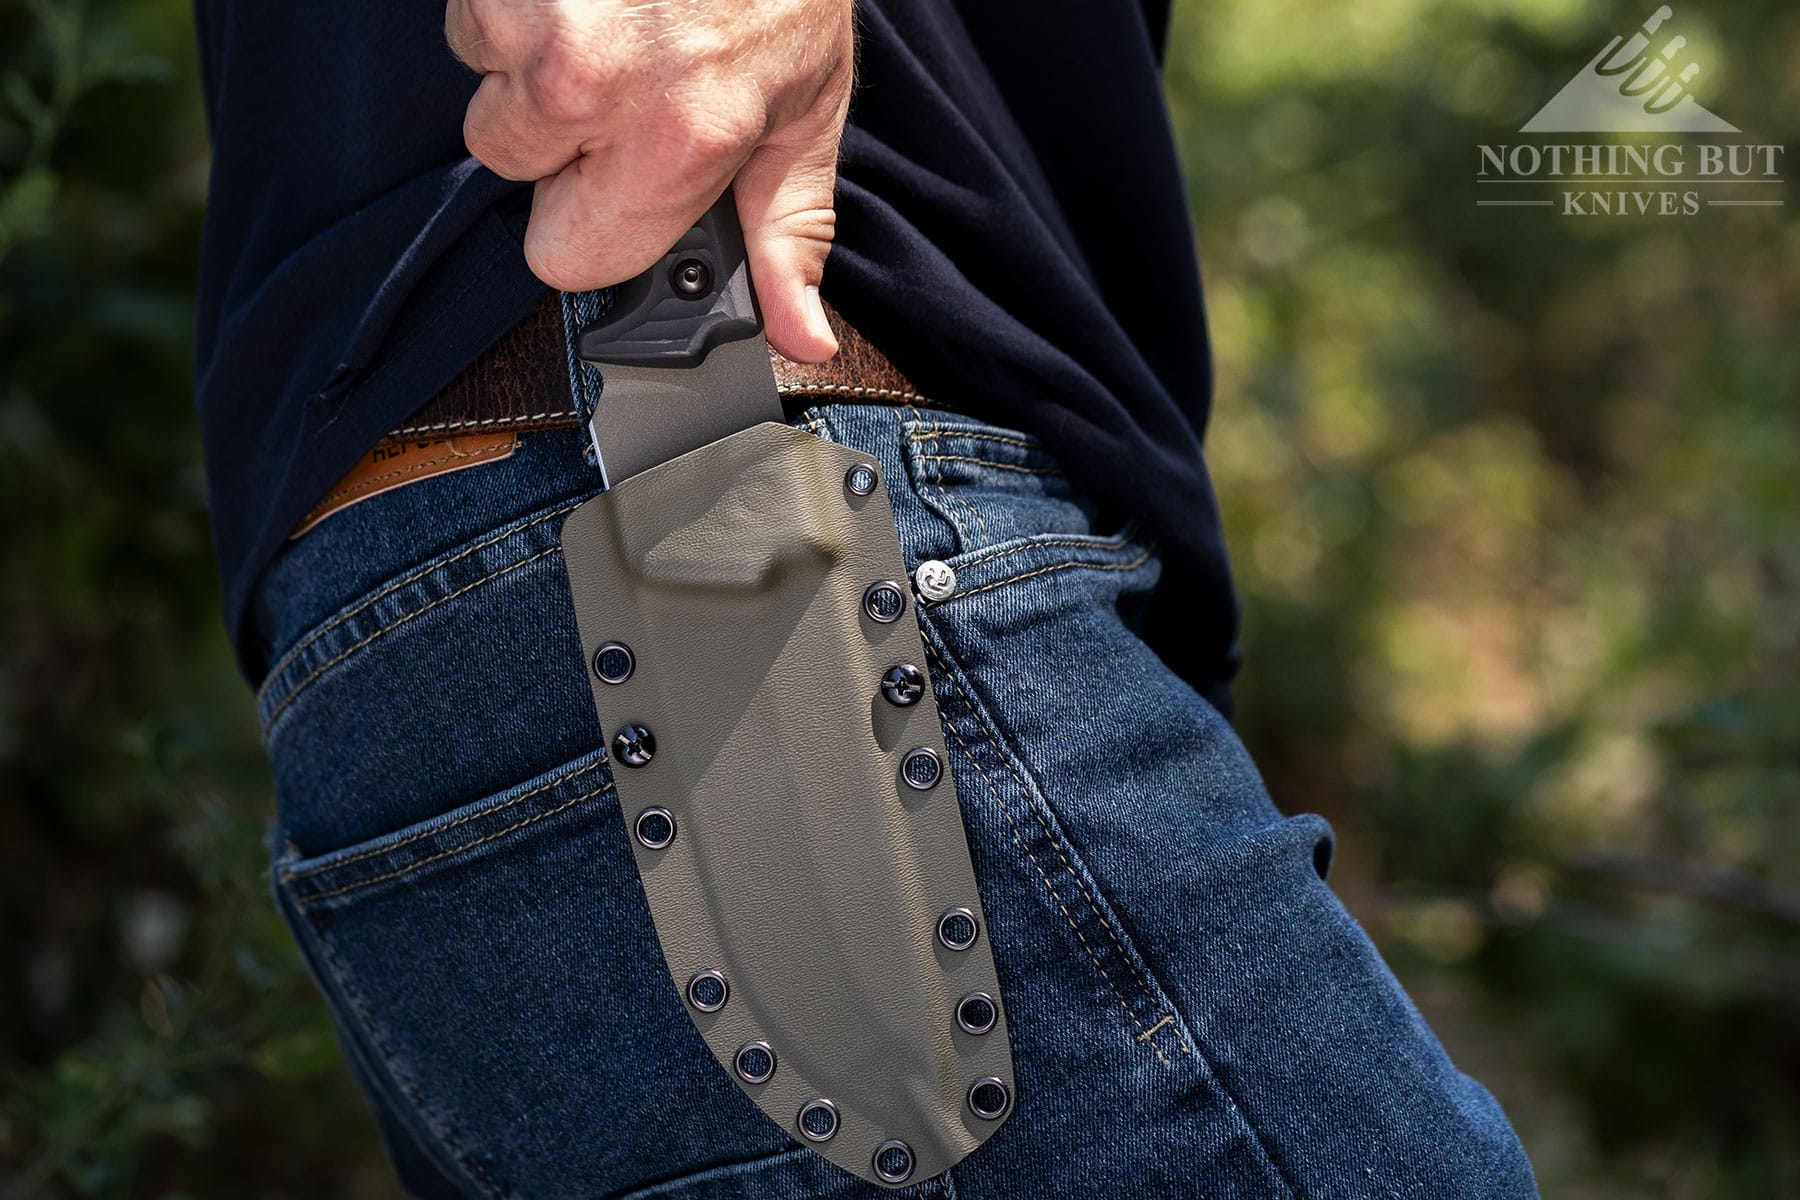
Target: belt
(521,384)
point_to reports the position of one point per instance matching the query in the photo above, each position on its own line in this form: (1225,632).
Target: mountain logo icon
(1636,84)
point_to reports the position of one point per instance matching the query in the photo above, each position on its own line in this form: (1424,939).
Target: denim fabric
(1193,1012)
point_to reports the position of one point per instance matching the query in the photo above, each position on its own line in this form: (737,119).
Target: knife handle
(696,297)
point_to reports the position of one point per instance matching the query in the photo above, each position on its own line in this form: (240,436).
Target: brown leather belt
(521,383)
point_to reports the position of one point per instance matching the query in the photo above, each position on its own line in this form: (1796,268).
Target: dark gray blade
(650,414)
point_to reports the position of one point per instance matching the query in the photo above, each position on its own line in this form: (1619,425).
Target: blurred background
(1514,500)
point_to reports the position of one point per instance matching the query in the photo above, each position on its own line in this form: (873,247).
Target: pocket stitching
(345,653)
(1135,563)
(373,851)
(988,462)
(395,585)
(453,852)
(1090,541)
(951,504)
(1143,1035)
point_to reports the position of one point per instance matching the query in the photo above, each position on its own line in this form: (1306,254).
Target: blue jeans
(1193,1012)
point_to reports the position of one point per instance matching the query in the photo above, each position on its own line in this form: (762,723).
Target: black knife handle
(697,296)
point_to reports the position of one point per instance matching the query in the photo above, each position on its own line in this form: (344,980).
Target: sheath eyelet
(818,1120)
(754,1062)
(707,991)
(654,828)
(957,929)
(921,768)
(989,1098)
(893,1161)
(614,663)
(861,480)
(884,601)
(977,1013)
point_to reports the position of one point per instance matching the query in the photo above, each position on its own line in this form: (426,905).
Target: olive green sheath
(795,827)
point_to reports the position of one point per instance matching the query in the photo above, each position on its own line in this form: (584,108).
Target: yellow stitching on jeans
(983,437)
(1006,811)
(411,577)
(1139,561)
(1123,538)
(288,876)
(1068,916)
(454,851)
(341,655)
(1056,844)
(952,503)
(988,462)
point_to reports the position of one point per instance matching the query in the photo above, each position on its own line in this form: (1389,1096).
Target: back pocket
(496,972)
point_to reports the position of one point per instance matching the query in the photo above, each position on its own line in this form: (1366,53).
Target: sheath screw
(936,580)
(884,601)
(655,829)
(893,1161)
(861,479)
(989,1098)
(921,768)
(903,685)
(634,745)
(614,662)
(691,277)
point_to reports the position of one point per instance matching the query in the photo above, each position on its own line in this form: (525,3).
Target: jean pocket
(1015,512)
(999,488)
(495,974)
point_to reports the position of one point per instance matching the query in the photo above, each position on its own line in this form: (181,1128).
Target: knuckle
(565,86)
(700,143)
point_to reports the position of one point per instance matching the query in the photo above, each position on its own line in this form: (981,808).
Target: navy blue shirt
(1012,231)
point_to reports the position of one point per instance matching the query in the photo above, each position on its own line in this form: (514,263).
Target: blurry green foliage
(1514,501)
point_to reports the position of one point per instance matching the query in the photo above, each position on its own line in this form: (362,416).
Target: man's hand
(633,116)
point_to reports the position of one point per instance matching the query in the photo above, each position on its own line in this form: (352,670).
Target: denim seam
(962,745)
(411,577)
(440,1128)
(975,436)
(351,649)
(454,851)
(1122,539)
(321,868)
(988,462)
(1139,561)
(934,475)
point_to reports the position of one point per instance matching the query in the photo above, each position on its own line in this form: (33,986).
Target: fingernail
(815,318)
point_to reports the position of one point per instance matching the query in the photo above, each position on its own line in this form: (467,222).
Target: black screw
(634,745)
(903,685)
(691,277)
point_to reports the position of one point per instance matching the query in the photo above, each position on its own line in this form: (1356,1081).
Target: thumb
(785,204)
